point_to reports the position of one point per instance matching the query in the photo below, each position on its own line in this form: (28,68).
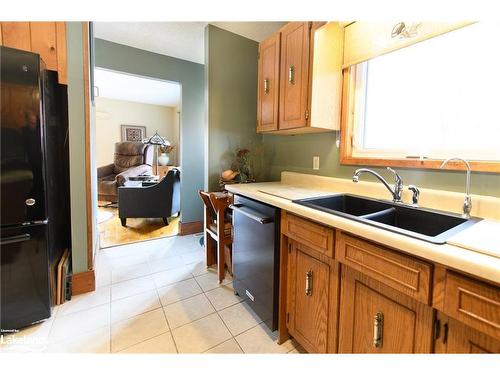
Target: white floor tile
(97,341)
(227,347)
(260,340)
(163,343)
(32,339)
(125,273)
(100,296)
(210,281)
(78,323)
(223,297)
(128,307)
(131,287)
(201,335)
(194,256)
(239,318)
(165,263)
(198,268)
(188,310)
(137,329)
(171,276)
(178,291)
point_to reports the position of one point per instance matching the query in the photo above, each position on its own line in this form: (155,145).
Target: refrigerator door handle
(14,239)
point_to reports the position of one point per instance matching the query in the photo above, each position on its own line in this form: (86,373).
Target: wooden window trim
(346,150)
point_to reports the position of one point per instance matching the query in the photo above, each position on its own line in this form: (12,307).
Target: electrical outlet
(315,163)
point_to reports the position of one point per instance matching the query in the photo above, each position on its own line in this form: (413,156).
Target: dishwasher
(256,257)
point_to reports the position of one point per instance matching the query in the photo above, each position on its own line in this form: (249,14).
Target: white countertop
(281,194)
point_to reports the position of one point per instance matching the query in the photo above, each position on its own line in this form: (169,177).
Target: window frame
(347,157)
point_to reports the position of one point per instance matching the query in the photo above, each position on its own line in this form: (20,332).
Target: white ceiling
(184,40)
(114,85)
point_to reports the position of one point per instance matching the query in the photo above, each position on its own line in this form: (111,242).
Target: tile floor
(152,297)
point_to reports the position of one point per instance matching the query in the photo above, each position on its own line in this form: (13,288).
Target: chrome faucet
(415,196)
(467,201)
(398,182)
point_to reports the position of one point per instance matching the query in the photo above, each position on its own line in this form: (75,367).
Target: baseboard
(83,282)
(190,228)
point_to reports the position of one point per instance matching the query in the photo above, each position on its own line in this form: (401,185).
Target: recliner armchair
(131,159)
(155,201)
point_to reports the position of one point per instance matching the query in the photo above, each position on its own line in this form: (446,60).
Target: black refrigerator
(34,170)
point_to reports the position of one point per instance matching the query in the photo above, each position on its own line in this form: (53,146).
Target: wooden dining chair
(218,231)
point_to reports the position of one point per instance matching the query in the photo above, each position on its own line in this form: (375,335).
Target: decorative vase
(163,159)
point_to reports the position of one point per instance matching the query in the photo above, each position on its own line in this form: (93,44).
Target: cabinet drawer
(401,272)
(314,235)
(473,303)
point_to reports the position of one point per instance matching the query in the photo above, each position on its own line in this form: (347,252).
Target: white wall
(111,114)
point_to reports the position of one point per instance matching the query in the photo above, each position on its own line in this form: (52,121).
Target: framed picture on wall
(133,133)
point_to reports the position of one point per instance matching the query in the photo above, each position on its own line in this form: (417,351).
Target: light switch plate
(315,163)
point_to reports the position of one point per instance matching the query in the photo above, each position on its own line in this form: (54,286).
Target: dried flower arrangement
(166,149)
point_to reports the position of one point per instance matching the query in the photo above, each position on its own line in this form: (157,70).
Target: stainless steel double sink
(425,224)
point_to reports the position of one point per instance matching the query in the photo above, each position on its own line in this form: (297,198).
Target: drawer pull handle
(309,283)
(291,75)
(378,329)
(266,86)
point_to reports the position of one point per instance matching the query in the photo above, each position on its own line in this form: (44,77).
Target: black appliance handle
(251,213)
(15,239)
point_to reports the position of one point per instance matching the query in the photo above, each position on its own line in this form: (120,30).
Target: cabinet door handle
(266,86)
(291,75)
(309,283)
(378,329)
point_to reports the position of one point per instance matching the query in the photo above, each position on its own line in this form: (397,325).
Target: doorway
(137,139)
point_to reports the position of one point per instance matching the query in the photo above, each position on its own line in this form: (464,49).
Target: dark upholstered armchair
(155,201)
(131,159)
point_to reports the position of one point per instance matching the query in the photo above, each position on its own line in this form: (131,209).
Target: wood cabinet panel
(309,285)
(268,84)
(316,236)
(62,65)
(16,35)
(294,75)
(405,325)
(401,272)
(466,340)
(44,42)
(473,303)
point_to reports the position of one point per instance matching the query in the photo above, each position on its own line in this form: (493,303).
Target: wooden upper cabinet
(44,42)
(48,39)
(268,84)
(16,35)
(294,75)
(375,318)
(308,299)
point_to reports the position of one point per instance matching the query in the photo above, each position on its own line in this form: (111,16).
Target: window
(432,100)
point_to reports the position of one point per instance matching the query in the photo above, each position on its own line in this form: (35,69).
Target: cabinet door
(308,300)
(44,42)
(375,318)
(16,35)
(294,75)
(462,339)
(268,84)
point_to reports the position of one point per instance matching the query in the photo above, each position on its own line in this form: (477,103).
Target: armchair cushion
(130,154)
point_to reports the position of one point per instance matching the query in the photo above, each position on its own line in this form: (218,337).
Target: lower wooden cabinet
(375,318)
(308,299)
(455,337)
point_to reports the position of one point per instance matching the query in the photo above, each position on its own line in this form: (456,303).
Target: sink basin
(345,203)
(425,224)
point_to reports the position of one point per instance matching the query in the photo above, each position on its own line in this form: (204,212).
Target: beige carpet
(111,232)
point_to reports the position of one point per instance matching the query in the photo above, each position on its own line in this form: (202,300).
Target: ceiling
(114,85)
(183,40)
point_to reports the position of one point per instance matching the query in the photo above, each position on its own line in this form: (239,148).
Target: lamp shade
(155,139)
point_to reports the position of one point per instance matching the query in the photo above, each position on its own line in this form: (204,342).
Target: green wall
(76,114)
(191,76)
(295,153)
(231,79)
